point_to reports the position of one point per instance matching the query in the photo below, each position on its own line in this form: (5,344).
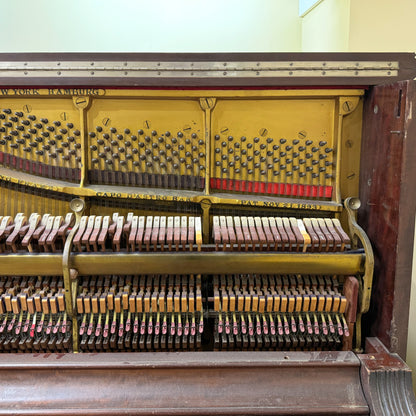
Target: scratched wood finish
(235,383)
(387,192)
(386,381)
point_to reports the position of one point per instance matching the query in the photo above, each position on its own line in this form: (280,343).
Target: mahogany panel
(243,383)
(387,213)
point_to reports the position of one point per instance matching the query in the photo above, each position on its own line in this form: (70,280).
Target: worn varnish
(388,204)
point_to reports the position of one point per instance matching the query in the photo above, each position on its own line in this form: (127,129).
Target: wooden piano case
(179,235)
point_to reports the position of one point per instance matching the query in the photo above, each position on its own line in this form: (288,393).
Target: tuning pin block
(39,146)
(147,158)
(264,165)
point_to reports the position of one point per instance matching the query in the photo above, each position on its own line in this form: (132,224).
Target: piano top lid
(204,70)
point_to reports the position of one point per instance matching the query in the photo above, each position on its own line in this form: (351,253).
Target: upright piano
(179,233)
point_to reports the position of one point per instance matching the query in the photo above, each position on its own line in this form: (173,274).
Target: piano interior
(138,220)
